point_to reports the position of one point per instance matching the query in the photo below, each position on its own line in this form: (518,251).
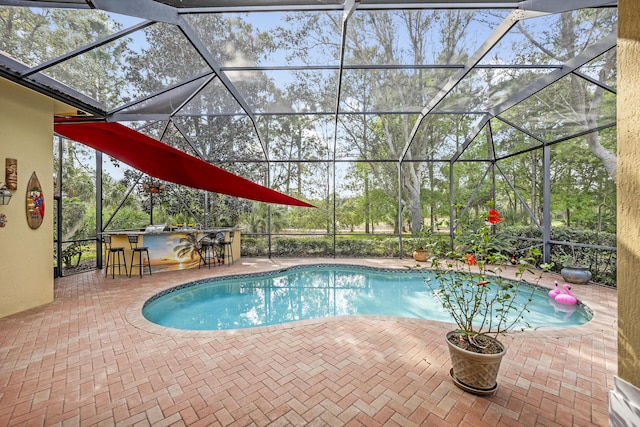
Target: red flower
(470,259)
(494,217)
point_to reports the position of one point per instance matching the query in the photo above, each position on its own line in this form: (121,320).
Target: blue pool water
(322,291)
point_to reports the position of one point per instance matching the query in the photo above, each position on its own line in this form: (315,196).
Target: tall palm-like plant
(258,219)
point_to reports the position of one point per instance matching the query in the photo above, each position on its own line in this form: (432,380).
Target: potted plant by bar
(469,284)
(572,271)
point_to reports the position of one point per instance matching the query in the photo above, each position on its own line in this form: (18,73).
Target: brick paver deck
(89,358)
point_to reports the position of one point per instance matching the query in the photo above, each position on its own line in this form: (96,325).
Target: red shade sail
(166,163)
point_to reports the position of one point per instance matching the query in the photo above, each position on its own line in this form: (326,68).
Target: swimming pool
(309,292)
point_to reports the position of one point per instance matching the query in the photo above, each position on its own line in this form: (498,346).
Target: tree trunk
(608,158)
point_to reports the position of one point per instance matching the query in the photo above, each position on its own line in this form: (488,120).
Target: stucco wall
(628,189)
(26,255)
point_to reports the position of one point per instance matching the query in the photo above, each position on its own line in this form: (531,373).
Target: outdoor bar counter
(173,249)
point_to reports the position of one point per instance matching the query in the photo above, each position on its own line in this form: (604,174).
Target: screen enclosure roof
(241,74)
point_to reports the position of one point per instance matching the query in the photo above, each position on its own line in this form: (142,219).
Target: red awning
(166,163)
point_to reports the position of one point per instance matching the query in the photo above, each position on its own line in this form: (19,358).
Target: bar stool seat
(207,250)
(227,246)
(115,252)
(141,251)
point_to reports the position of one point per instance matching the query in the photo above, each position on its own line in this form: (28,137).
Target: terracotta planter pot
(576,275)
(474,372)
(421,255)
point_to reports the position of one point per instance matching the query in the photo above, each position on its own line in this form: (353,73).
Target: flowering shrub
(471,287)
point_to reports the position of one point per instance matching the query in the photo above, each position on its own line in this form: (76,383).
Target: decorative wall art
(11,174)
(35,202)
(3,220)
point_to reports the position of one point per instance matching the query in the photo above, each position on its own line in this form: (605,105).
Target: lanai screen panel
(72,194)
(559,37)
(574,167)
(441,136)
(153,128)
(379,137)
(472,183)
(168,102)
(516,47)
(38,32)
(212,99)
(552,39)
(222,138)
(508,139)
(602,69)
(268,39)
(516,202)
(365,194)
(203,140)
(370,137)
(144,62)
(287,91)
(390,90)
(479,148)
(570,106)
(308,181)
(485,87)
(172,135)
(417,37)
(298,137)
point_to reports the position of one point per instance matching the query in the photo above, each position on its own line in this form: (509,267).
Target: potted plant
(470,286)
(572,271)
(422,244)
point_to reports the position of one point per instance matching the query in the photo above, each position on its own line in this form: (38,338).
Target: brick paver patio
(89,358)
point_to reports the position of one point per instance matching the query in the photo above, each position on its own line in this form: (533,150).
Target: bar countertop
(169,230)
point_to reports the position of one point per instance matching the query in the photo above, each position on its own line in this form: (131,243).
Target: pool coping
(602,318)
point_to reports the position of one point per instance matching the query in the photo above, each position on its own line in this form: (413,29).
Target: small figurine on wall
(3,220)
(11,173)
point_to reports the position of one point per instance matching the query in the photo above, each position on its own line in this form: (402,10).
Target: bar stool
(140,250)
(115,252)
(207,250)
(227,246)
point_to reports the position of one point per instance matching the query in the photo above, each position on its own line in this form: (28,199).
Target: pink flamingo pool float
(566,297)
(555,291)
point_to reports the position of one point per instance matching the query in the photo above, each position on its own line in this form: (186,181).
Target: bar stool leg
(106,270)
(148,261)
(133,255)
(122,263)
